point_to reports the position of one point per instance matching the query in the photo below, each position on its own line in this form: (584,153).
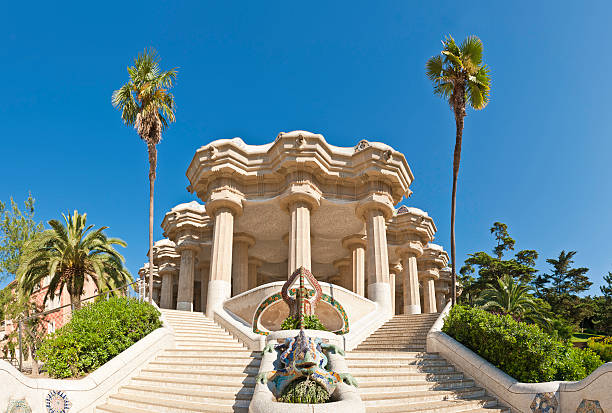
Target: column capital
(353,241)
(187,244)
(167,269)
(255,261)
(375,201)
(301,192)
(343,263)
(414,248)
(224,197)
(430,273)
(243,237)
(395,268)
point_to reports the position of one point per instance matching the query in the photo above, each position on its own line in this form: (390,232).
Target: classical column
(221,207)
(345,275)
(299,202)
(440,299)
(375,212)
(204,271)
(240,263)
(429,290)
(410,277)
(356,244)
(254,264)
(184,299)
(394,270)
(166,288)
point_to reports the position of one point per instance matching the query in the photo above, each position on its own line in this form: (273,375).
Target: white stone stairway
(208,371)
(395,374)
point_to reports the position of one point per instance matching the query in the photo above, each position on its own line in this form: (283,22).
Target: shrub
(522,350)
(311,322)
(304,391)
(602,346)
(95,334)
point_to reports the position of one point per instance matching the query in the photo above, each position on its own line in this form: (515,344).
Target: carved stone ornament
(362,145)
(589,406)
(387,154)
(57,402)
(212,151)
(18,406)
(300,141)
(402,210)
(544,403)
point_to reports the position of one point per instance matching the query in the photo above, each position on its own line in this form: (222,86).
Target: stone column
(356,244)
(410,277)
(166,289)
(440,299)
(254,264)
(345,276)
(184,300)
(375,213)
(429,290)
(221,207)
(394,270)
(240,263)
(299,202)
(204,279)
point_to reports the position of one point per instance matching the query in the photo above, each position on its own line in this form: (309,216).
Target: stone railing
(590,395)
(85,394)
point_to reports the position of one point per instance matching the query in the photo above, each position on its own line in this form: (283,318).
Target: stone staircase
(395,374)
(208,371)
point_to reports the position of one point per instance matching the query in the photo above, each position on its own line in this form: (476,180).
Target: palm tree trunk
(152,166)
(75,300)
(459,106)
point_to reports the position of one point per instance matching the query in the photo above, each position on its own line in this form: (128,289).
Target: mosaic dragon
(302,356)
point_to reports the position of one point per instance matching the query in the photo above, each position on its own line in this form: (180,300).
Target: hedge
(602,346)
(521,350)
(311,322)
(95,334)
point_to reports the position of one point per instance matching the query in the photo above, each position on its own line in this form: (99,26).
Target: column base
(184,305)
(380,293)
(412,309)
(218,292)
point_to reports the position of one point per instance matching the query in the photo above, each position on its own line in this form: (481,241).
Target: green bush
(602,346)
(522,350)
(311,322)
(96,334)
(304,391)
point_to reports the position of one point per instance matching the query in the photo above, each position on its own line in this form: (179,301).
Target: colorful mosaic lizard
(303,356)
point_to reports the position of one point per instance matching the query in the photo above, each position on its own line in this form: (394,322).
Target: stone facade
(299,201)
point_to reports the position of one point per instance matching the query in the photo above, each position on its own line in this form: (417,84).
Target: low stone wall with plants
(96,334)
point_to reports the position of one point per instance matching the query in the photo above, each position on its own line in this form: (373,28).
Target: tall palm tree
(146,103)
(508,296)
(68,254)
(460,77)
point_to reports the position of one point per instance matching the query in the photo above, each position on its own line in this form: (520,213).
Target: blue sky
(537,158)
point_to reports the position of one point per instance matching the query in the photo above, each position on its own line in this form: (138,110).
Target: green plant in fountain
(304,391)
(311,322)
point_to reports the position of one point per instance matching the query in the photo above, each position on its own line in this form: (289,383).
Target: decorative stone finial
(301,305)
(362,145)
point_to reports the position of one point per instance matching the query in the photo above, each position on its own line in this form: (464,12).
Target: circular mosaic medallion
(18,406)
(57,402)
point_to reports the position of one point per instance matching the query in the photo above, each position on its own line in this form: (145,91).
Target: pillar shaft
(240,267)
(204,279)
(185,288)
(392,284)
(429,296)
(219,286)
(377,260)
(299,237)
(166,291)
(440,300)
(253,265)
(358,255)
(412,299)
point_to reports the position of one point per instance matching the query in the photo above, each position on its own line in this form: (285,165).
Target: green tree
(490,268)
(16,228)
(507,296)
(68,254)
(459,77)
(146,103)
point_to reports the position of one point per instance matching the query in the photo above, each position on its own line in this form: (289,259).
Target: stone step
(383,375)
(195,326)
(202,384)
(197,347)
(412,386)
(205,340)
(209,360)
(154,404)
(390,398)
(371,364)
(241,398)
(386,348)
(355,370)
(205,366)
(115,408)
(444,406)
(211,352)
(398,340)
(230,376)
(196,333)
(390,355)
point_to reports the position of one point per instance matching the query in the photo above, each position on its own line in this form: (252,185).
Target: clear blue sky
(537,158)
